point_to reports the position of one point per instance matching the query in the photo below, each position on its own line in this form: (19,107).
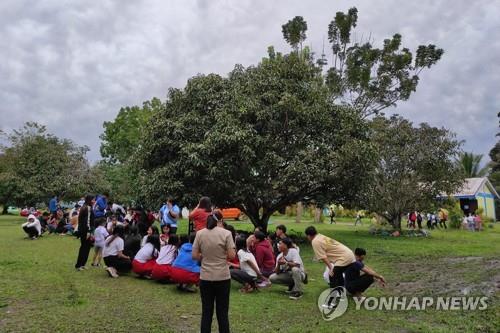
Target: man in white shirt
(289,269)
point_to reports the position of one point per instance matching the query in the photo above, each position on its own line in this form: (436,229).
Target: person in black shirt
(356,283)
(132,243)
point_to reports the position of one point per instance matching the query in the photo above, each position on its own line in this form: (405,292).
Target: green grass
(41,292)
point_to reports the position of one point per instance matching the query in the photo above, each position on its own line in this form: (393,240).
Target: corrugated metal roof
(473,185)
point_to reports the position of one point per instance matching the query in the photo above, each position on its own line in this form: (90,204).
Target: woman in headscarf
(32,227)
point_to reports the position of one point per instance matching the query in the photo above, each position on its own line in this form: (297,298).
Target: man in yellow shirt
(336,256)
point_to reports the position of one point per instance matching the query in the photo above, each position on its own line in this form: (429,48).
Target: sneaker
(264,284)
(290,290)
(190,288)
(81,268)
(112,272)
(296,295)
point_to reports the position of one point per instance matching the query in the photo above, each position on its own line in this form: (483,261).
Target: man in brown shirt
(336,256)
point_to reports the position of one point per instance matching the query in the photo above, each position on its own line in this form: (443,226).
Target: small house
(477,193)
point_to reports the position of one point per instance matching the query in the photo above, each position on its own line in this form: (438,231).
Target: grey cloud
(73,65)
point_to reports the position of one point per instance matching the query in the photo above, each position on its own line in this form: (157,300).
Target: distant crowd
(471,221)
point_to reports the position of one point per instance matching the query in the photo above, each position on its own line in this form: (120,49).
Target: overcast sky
(72,64)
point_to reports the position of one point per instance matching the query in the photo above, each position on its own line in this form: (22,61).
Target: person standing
(200,214)
(101,204)
(419,220)
(336,256)
(358,219)
(53,207)
(170,215)
(213,246)
(470,222)
(332,214)
(85,231)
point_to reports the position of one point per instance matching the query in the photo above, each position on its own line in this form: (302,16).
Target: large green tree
(263,138)
(120,139)
(121,136)
(35,165)
(414,166)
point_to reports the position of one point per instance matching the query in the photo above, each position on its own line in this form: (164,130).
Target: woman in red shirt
(200,214)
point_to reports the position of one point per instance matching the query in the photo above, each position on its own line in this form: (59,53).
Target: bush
(455,215)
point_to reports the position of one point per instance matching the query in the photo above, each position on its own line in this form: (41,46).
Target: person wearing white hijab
(32,227)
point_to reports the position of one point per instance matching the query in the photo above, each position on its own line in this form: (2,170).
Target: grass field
(41,292)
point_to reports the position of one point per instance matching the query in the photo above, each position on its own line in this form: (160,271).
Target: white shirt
(167,255)
(113,248)
(244,257)
(146,253)
(116,207)
(144,240)
(293,256)
(35,223)
(100,235)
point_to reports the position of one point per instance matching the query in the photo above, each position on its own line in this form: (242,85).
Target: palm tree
(471,165)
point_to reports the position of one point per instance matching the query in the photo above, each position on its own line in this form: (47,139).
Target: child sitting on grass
(185,270)
(167,255)
(248,272)
(113,253)
(151,231)
(145,259)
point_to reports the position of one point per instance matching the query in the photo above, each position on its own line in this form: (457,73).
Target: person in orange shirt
(200,214)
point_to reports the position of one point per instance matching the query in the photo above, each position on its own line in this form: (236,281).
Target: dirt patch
(451,276)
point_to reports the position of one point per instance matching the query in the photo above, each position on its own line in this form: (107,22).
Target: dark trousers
(122,265)
(31,231)
(443,223)
(337,280)
(218,292)
(242,277)
(360,284)
(83,253)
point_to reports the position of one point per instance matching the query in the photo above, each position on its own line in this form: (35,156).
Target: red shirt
(199,217)
(264,256)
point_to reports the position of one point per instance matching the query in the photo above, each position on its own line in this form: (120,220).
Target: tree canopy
(263,138)
(121,136)
(414,166)
(36,165)
(361,75)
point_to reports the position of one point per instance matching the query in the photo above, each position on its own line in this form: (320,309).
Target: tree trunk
(396,222)
(4,210)
(259,221)
(300,211)
(317,215)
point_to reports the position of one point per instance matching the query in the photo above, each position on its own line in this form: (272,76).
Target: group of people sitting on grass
(131,242)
